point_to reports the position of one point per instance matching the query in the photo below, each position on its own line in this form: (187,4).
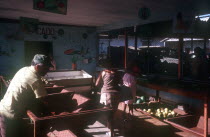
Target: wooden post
(126,49)
(158,95)
(180,50)
(136,41)
(109,48)
(205,43)
(39,130)
(191,44)
(35,129)
(148,55)
(205,116)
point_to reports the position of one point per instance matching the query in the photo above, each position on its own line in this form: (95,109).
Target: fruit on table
(158,114)
(138,101)
(142,98)
(173,113)
(169,115)
(165,114)
(162,112)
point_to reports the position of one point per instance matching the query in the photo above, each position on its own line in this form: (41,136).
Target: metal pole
(136,41)
(204,46)
(126,50)
(148,55)
(180,50)
(191,48)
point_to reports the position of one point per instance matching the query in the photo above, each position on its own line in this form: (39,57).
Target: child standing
(129,80)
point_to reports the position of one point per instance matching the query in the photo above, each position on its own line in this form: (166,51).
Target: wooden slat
(56,89)
(31,115)
(179,91)
(65,115)
(205,116)
(183,128)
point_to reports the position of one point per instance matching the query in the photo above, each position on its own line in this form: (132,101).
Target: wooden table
(192,90)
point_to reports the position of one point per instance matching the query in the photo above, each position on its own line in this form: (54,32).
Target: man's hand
(50,84)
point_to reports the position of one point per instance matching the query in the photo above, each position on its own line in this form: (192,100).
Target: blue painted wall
(12,46)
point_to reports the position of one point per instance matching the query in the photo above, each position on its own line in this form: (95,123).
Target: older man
(25,88)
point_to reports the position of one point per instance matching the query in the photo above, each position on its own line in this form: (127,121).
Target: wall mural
(144,13)
(29,25)
(78,49)
(82,40)
(48,31)
(6,50)
(54,6)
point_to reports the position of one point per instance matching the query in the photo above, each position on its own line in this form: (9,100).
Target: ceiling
(104,14)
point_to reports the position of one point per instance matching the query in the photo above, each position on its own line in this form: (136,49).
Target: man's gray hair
(41,59)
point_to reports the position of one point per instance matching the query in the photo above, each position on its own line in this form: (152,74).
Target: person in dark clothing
(199,64)
(109,93)
(186,60)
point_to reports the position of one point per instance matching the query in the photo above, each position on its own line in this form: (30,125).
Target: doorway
(36,47)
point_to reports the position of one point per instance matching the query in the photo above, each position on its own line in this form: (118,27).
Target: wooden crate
(77,81)
(69,111)
(55,89)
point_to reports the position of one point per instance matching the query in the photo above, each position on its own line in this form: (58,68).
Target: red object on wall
(69,51)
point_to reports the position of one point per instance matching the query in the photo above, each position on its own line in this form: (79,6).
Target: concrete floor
(139,125)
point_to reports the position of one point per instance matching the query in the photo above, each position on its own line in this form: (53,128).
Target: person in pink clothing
(129,80)
(52,61)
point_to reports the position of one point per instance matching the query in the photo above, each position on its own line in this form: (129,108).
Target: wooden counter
(188,89)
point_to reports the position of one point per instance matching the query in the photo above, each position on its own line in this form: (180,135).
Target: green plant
(74,59)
